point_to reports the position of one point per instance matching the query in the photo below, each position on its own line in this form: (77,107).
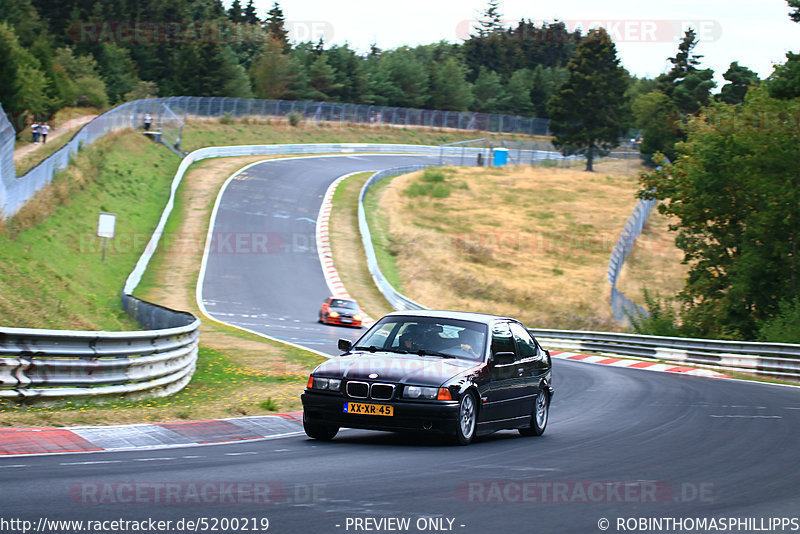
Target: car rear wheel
(467,419)
(319,431)
(541,412)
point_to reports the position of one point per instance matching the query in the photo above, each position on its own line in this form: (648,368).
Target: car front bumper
(434,416)
(344,322)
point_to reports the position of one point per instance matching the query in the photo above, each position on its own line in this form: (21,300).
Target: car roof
(449,314)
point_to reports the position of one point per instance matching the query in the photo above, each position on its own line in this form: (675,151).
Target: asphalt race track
(272,282)
(621,445)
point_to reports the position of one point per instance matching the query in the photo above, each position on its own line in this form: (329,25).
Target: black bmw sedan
(457,373)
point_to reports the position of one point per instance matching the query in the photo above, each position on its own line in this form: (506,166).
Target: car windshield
(426,336)
(341,303)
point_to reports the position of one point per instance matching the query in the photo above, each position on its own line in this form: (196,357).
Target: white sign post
(105,228)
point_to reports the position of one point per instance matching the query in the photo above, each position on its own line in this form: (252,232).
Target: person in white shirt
(44,128)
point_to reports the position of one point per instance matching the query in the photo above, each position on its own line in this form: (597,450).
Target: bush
(91,91)
(662,318)
(294,118)
(227,118)
(785,326)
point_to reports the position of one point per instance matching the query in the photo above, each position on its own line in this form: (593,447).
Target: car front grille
(358,390)
(364,390)
(382,391)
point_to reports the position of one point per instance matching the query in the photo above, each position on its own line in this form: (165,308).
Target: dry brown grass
(528,242)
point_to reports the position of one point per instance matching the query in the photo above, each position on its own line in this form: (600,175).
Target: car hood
(395,368)
(343,309)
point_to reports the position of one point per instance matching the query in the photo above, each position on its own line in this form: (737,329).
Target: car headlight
(333,314)
(357,317)
(419,392)
(327,384)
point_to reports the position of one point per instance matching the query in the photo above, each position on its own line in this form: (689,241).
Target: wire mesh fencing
(621,306)
(7,170)
(16,191)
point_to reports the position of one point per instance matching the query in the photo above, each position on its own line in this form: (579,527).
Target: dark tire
(467,422)
(320,320)
(319,431)
(539,417)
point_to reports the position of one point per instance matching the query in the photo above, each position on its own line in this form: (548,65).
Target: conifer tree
(250,15)
(235,12)
(740,79)
(588,110)
(275,25)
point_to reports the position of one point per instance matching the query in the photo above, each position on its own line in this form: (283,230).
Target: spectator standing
(148,120)
(44,128)
(35,132)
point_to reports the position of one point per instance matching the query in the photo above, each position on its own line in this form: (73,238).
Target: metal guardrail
(777,360)
(397,300)
(49,364)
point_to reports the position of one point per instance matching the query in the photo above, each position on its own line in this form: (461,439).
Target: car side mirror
(503,358)
(345,345)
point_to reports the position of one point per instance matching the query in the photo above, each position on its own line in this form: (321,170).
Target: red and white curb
(324,246)
(636,364)
(35,441)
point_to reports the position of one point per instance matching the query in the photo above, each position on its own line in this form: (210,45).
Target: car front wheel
(541,412)
(319,431)
(467,419)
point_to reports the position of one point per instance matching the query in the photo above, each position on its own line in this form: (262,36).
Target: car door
(500,398)
(531,366)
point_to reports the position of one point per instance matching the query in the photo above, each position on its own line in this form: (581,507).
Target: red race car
(340,311)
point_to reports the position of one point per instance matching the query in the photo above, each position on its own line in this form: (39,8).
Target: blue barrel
(500,157)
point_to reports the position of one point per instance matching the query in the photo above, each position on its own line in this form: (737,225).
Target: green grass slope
(51,270)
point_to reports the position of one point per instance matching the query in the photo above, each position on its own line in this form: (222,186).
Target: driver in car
(470,342)
(411,338)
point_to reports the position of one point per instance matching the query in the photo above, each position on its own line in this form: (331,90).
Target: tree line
(104,52)
(732,191)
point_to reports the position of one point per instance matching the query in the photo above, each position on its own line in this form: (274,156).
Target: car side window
(502,339)
(527,346)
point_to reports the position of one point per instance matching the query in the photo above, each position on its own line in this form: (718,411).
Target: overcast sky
(756,33)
